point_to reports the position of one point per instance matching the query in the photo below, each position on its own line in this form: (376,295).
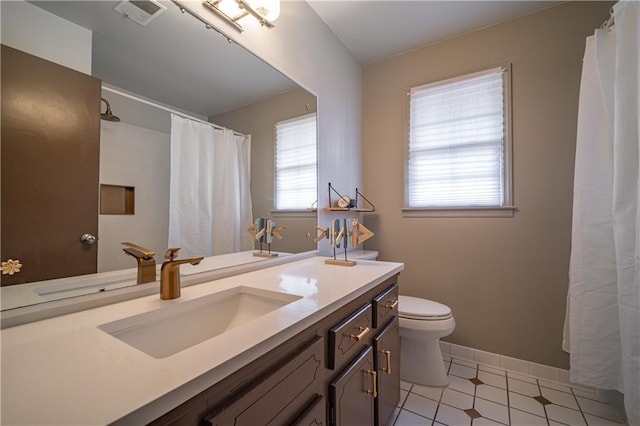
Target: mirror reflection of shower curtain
(210,199)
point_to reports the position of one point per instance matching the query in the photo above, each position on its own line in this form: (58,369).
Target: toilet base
(428,368)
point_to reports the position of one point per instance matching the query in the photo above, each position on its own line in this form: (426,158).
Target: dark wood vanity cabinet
(282,396)
(332,373)
(367,390)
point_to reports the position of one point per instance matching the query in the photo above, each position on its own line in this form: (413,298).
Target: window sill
(294,213)
(505,211)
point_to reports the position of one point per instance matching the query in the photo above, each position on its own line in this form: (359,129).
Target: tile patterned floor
(482,395)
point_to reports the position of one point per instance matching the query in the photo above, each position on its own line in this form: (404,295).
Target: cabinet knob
(388,356)
(391,305)
(363,332)
(374,382)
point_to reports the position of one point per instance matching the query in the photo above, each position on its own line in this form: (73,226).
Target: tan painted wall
(504,278)
(258,120)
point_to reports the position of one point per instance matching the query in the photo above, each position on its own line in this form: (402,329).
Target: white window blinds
(296,179)
(457,142)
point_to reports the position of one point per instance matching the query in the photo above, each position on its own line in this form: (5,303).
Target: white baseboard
(515,365)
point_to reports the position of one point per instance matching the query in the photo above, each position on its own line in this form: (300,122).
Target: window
(296,178)
(458,143)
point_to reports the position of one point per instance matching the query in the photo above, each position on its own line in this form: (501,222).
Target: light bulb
(268,9)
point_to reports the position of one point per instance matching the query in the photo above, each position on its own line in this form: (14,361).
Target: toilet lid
(418,308)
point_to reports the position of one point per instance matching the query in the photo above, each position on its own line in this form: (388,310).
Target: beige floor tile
(462,371)
(452,416)
(526,403)
(407,418)
(492,379)
(462,385)
(430,392)
(503,398)
(588,393)
(525,388)
(403,397)
(564,415)
(492,393)
(394,416)
(521,418)
(599,409)
(481,421)
(599,421)
(560,398)
(420,405)
(491,410)
(457,399)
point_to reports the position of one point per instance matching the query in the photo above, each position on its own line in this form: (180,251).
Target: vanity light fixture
(233,11)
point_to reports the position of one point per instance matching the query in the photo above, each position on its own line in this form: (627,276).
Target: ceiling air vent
(140,11)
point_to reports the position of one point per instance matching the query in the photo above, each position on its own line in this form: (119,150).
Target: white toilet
(422,323)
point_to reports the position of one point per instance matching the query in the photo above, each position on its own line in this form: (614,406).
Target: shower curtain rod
(164,108)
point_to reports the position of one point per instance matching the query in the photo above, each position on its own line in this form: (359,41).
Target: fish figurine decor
(264,231)
(344,233)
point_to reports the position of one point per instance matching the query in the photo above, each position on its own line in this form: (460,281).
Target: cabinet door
(352,394)
(50,160)
(280,397)
(386,346)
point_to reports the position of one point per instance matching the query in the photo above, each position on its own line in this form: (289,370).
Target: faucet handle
(138,251)
(171,253)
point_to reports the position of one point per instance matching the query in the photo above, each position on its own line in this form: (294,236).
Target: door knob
(88,239)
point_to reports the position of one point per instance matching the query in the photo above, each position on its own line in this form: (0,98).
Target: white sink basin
(172,329)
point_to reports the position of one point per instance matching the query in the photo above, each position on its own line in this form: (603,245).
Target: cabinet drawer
(349,337)
(280,397)
(313,415)
(385,306)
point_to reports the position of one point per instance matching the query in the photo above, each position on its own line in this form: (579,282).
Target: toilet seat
(416,308)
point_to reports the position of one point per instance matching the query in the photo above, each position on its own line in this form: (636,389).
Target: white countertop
(65,370)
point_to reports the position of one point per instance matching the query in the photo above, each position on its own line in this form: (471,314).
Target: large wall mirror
(172,64)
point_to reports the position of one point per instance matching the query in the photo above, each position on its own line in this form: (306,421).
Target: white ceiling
(377,29)
(176,61)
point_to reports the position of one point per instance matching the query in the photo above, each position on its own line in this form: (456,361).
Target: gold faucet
(146,261)
(170,274)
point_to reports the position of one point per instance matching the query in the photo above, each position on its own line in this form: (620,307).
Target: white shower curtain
(210,201)
(602,326)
